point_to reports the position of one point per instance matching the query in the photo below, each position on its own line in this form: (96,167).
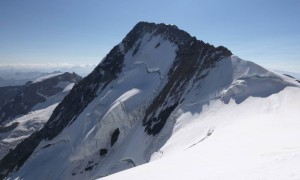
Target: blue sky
(82,32)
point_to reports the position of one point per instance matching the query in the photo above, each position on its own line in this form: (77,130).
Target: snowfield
(257,139)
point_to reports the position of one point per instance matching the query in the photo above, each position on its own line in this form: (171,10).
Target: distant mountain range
(14,75)
(16,78)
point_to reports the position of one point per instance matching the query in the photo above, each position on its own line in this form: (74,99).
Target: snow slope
(247,129)
(257,139)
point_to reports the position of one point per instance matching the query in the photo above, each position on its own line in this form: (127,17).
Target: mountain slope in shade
(33,93)
(7,93)
(129,108)
(53,88)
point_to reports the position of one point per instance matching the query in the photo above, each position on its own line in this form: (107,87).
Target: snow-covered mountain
(159,93)
(19,74)
(25,109)
(33,93)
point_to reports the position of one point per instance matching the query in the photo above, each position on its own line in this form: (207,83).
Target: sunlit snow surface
(221,131)
(257,139)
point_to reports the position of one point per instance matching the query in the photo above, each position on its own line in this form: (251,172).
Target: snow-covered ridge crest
(40,79)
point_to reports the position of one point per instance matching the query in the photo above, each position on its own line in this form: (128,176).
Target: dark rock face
(7,93)
(4,129)
(193,59)
(84,92)
(159,122)
(114,136)
(9,162)
(292,77)
(103,152)
(289,76)
(33,93)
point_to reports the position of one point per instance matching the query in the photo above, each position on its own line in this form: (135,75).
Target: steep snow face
(235,81)
(117,108)
(256,139)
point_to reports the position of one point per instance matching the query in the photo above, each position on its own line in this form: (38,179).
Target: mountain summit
(136,104)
